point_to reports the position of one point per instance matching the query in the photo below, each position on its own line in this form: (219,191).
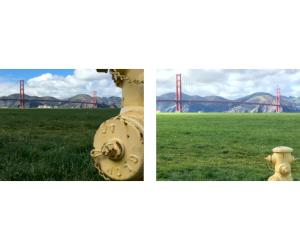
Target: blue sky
(59,83)
(26,74)
(230,83)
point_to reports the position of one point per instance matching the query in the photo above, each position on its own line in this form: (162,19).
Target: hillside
(12,101)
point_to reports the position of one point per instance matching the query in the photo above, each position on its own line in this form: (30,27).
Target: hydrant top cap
(282,149)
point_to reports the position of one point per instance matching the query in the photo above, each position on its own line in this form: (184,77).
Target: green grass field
(39,145)
(223,146)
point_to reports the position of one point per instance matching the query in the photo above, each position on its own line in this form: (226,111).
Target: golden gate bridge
(180,101)
(22,98)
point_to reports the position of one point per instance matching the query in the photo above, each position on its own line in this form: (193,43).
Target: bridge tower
(278,100)
(22,101)
(94,99)
(178,93)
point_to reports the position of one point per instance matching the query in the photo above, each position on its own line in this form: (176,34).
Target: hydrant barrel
(118,152)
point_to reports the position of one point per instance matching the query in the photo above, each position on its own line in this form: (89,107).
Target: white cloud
(83,81)
(88,74)
(8,89)
(230,83)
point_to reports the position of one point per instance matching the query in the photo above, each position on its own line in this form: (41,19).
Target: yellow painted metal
(281,159)
(119,142)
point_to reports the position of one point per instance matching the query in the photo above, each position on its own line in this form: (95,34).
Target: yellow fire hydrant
(118,152)
(281,159)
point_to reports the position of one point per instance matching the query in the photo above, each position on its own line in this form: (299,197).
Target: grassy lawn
(40,145)
(223,146)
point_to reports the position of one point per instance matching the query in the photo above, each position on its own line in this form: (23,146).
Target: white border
(149,35)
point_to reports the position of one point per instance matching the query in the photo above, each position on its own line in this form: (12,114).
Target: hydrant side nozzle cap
(269,158)
(282,149)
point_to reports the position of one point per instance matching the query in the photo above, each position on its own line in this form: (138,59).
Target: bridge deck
(39,100)
(225,102)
